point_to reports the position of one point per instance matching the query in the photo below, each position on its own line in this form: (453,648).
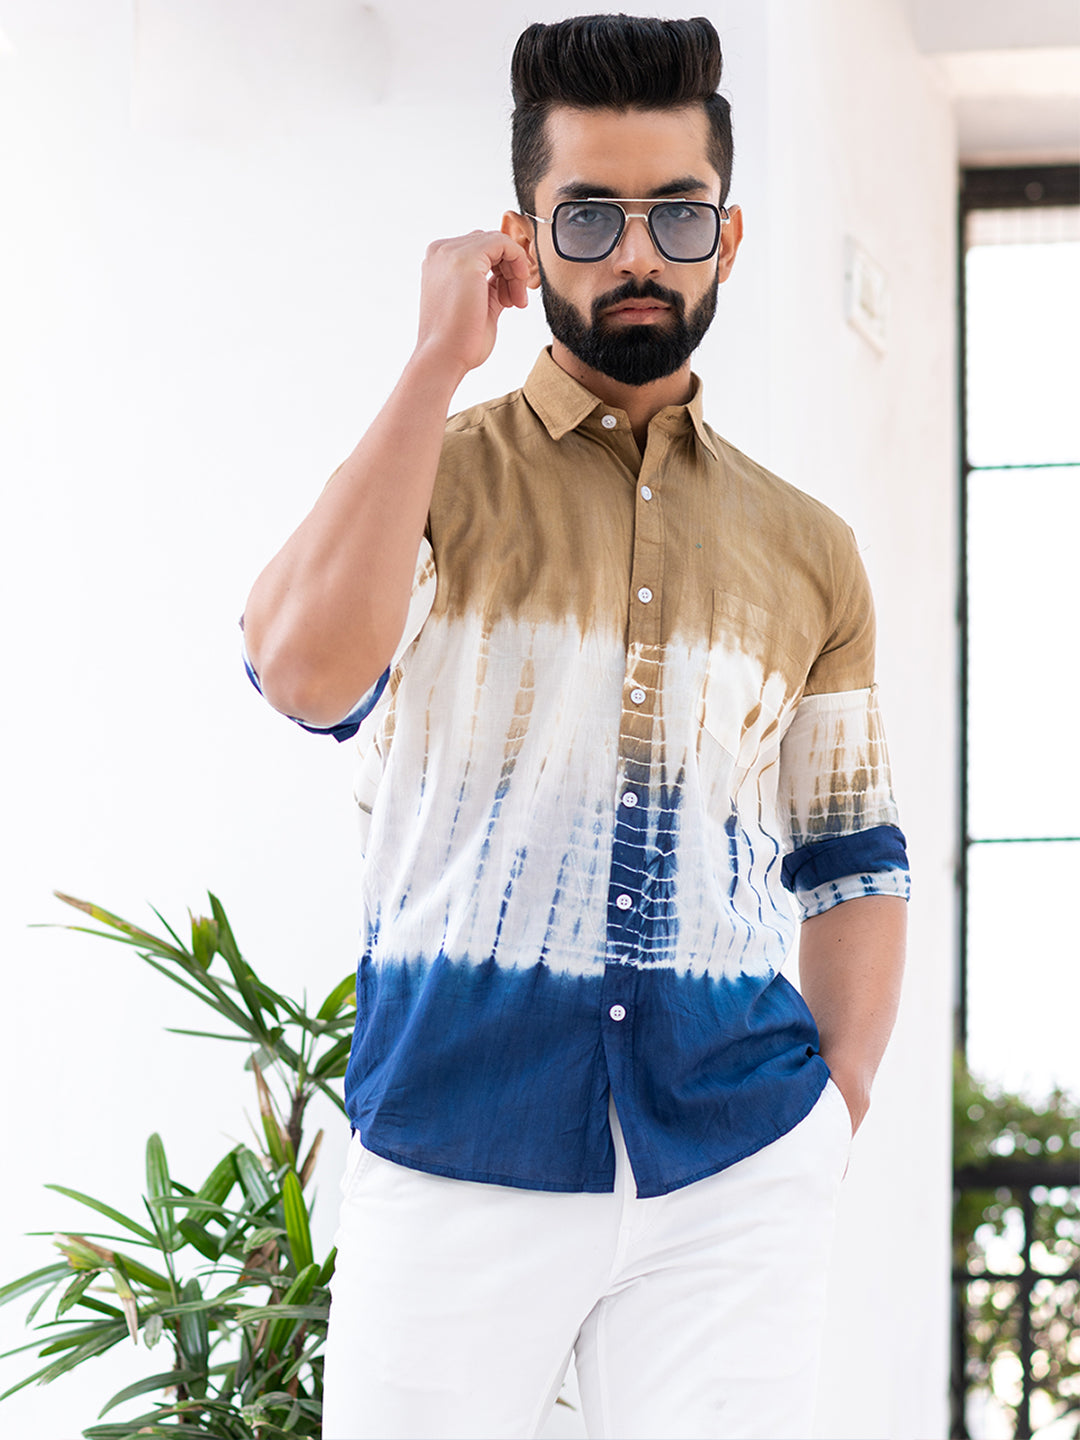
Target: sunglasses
(684,231)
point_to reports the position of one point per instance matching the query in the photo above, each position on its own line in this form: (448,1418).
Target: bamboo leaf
(327,1271)
(206,989)
(308,1167)
(331,1092)
(89,1302)
(297,1296)
(256,996)
(87,1331)
(262,1056)
(342,992)
(151,1424)
(46,1294)
(74,1292)
(252,1177)
(167,926)
(100,1339)
(143,1275)
(277,1141)
(262,1237)
(162,1381)
(48,1274)
(107,1211)
(226,939)
(83,1254)
(296,1221)
(331,1064)
(215,1189)
(133,934)
(204,940)
(126,1296)
(272,1312)
(207,1034)
(200,1238)
(208,1306)
(194,1331)
(159,1186)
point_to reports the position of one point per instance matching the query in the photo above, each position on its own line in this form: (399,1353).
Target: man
(617,694)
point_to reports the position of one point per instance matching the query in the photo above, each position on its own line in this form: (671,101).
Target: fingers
(467,282)
(510,288)
(496,255)
(509,269)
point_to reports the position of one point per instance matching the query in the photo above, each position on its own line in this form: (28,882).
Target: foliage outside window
(1017,1257)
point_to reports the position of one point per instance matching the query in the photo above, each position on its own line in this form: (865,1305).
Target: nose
(635,253)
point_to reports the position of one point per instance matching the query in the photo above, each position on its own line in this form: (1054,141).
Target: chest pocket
(756,668)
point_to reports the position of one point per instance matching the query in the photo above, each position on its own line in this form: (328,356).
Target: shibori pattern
(632,711)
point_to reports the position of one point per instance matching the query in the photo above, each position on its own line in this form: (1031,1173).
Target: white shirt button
(637,695)
(646,493)
(609,422)
(629,799)
(617,1012)
(644,595)
(624,902)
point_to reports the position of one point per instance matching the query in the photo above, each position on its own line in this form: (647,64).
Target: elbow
(304,685)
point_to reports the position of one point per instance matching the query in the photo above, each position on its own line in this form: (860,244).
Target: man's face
(634,316)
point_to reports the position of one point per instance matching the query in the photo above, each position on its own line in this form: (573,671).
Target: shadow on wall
(225,70)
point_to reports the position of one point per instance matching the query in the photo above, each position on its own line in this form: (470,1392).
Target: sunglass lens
(584,230)
(686,231)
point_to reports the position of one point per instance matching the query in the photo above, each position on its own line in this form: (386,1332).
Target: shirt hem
(653,1192)
(487,1177)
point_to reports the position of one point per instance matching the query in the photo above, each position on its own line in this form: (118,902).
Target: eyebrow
(586,190)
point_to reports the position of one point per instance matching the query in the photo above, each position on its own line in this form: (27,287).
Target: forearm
(851,960)
(323,618)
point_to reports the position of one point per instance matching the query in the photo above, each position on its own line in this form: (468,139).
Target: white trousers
(457,1305)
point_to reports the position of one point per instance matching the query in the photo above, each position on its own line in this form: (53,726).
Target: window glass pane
(1024,655)
(1023,976)
(1023,357)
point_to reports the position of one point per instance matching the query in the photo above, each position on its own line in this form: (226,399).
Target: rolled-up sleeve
(420,602)
(835,778)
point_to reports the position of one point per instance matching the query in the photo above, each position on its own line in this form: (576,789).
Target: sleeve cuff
(848,867)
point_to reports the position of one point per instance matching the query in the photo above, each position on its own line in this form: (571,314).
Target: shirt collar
(562,402)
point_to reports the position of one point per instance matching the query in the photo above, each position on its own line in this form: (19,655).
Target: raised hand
(466,284)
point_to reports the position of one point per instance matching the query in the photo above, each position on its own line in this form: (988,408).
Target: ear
(730,239)
(522,229)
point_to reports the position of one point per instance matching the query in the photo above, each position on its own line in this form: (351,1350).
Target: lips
(636,305)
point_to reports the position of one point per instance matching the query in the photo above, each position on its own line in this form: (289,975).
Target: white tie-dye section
(490,831)
(834,778)
(493,793)
(853,887)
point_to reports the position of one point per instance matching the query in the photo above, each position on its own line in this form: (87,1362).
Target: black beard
(631,354)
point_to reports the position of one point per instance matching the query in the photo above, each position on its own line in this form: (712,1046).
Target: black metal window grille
(1020,1298)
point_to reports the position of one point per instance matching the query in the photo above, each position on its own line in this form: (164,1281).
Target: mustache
(632,290)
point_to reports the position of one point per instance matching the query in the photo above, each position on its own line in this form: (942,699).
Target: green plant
(224,1274)
(1016,1232)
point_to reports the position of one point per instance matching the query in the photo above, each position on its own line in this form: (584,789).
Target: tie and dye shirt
(629,737)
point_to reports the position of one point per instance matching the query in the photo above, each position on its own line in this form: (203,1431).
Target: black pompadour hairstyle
(613,62)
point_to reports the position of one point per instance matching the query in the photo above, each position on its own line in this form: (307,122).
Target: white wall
(862,145)
(201,315)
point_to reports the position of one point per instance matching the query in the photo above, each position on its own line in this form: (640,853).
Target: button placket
(632,824)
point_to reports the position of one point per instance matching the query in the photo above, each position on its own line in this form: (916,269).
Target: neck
(639,402)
